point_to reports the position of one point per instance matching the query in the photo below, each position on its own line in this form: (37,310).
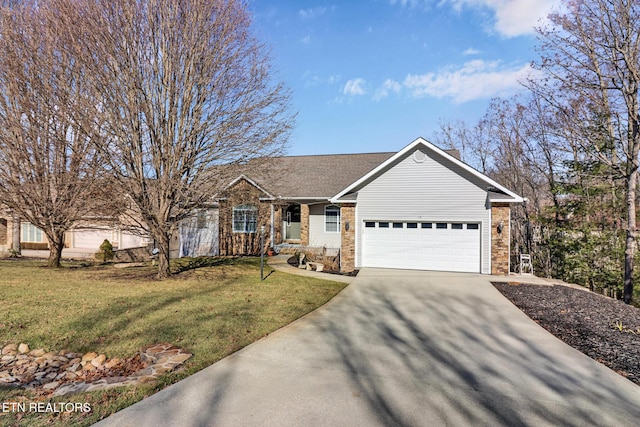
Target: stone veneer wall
(242,243)
(304,225)
(500,242)
(348,238)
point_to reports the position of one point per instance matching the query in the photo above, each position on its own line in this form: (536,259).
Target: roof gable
(265,194)
(501,193)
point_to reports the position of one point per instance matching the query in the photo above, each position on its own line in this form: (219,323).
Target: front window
(31,234)
(332,219)
(244,219)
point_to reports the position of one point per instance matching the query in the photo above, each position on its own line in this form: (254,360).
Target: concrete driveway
(403,348)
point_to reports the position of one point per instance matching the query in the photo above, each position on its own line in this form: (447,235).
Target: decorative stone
(180,358)
(23,348)
(63,372)
(99,360)
(51,385)
(89,356)
(56,363)
(112,363)
(4,375)
(8,358)
(37,353)
(9,349)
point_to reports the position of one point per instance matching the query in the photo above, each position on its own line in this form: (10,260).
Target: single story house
(419,208)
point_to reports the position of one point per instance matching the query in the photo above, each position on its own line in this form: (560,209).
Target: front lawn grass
(212,308)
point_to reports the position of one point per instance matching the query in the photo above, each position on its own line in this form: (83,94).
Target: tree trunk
(630,243)
(164,268)
(56,244)
(15,237)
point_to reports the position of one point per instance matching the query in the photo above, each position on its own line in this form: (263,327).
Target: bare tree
(184,87)
(592,59)
(48,164)
(476,144)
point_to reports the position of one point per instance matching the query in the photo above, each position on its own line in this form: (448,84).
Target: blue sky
(373,75)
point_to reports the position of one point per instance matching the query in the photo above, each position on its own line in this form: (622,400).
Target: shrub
(106,251)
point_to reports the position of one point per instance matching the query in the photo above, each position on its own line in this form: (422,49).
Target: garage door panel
(445,249)
(90,238)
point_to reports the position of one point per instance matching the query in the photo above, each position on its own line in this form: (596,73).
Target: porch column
(277,224)
(272,227)
(500,238)
(348,237)
(304,225)
(4,227)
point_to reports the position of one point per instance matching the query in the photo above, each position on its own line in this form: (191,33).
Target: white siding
(432,190)
(318,237)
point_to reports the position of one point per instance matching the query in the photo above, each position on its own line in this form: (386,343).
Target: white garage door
(86,238)
(443,246)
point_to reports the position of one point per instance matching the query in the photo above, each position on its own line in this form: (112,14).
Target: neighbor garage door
(85,238)
(443,246)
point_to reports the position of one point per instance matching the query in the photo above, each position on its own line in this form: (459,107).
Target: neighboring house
(419,208)
(86,238)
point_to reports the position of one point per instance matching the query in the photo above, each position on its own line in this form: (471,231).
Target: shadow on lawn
(186,264)
(150,316)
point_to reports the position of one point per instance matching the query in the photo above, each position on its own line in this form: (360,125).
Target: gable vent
(419,156)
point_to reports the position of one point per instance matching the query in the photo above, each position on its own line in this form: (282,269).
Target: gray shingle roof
(313,177)
(316,177)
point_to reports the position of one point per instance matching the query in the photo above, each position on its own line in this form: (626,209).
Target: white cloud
(471,51)
(354,87)
(312,13)
(311,78)
(305,40)
(513,17)
(476,79)
(388,86)
(411,3)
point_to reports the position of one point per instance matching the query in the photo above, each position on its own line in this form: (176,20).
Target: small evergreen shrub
(106,251)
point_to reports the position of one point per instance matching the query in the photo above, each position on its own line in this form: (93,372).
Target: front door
(292,222)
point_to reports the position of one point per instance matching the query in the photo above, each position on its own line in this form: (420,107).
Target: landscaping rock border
(66,372)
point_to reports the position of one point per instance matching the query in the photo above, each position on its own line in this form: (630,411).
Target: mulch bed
(604,329)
